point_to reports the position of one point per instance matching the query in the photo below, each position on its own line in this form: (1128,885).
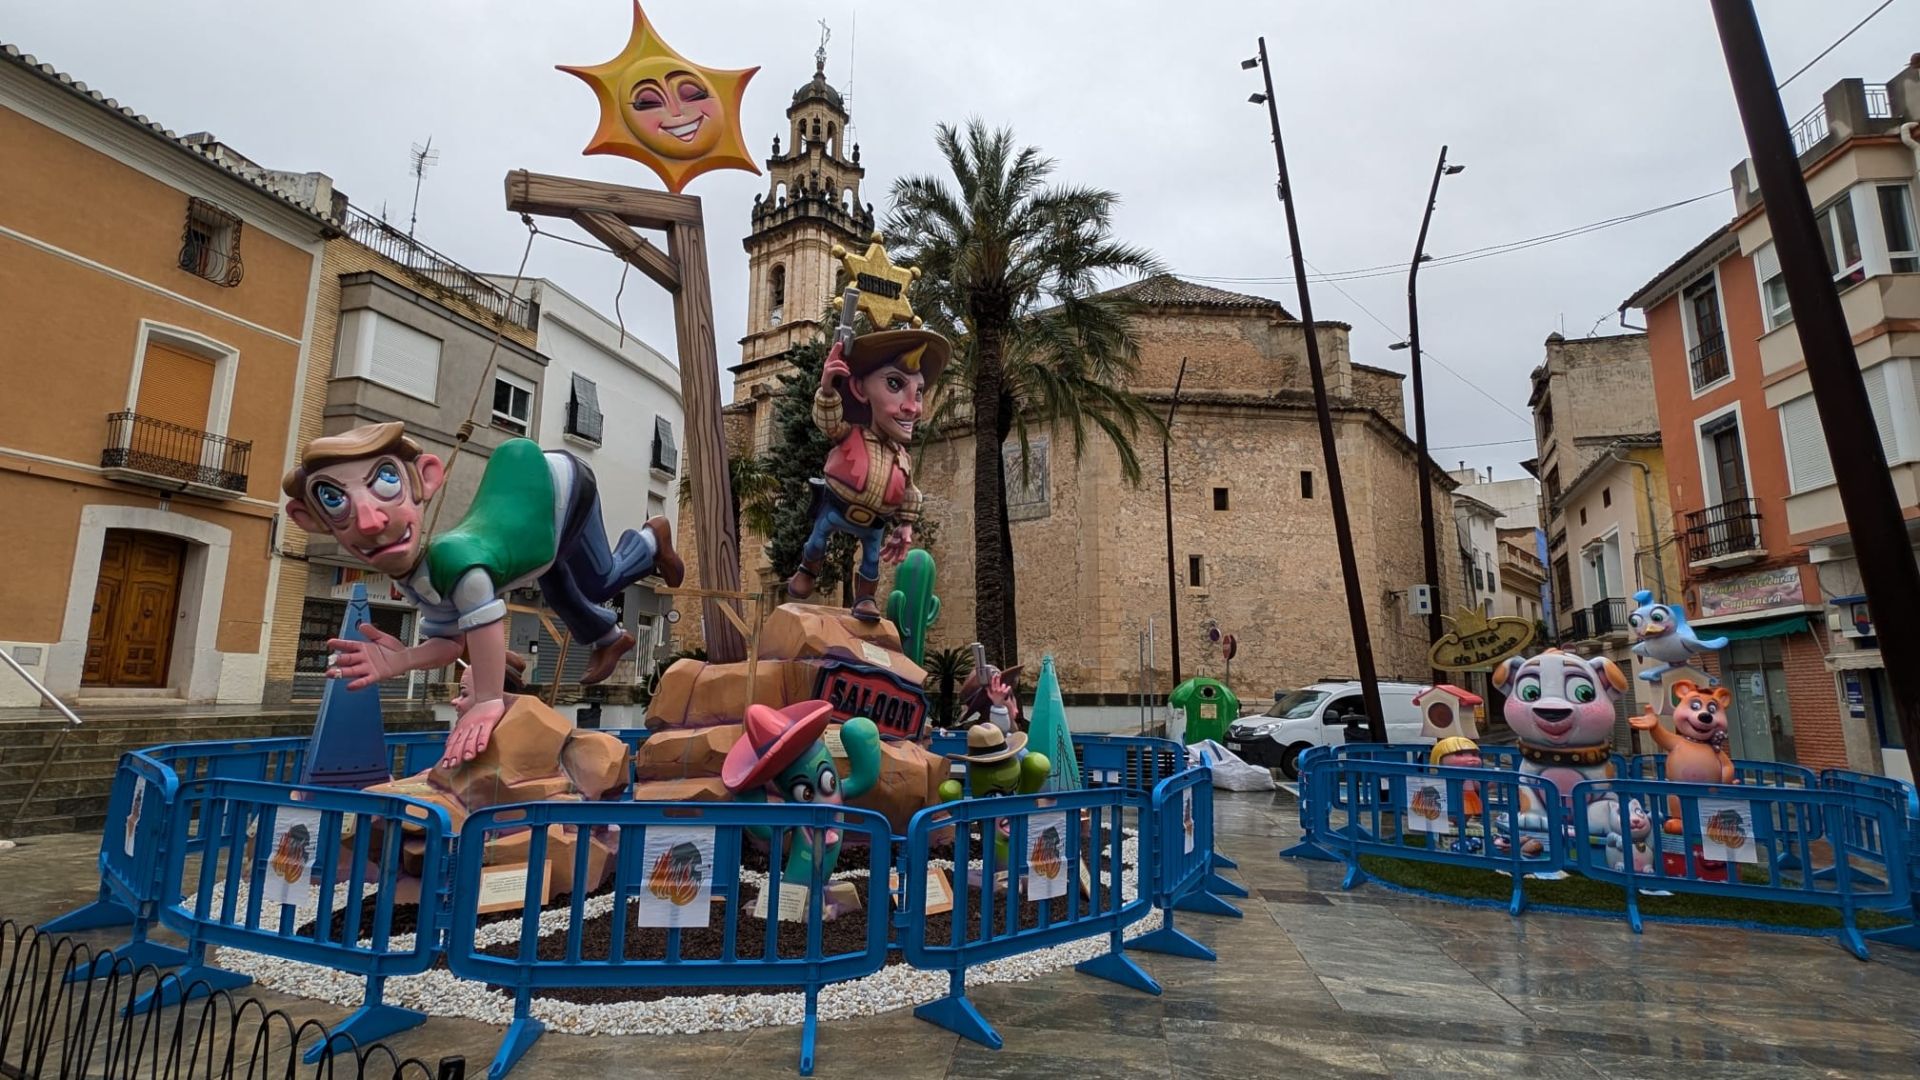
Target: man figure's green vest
(509,531)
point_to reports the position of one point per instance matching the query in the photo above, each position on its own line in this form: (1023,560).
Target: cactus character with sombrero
(782,757)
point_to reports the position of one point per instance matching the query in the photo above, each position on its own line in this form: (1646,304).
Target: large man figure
(868,487)
(535,517)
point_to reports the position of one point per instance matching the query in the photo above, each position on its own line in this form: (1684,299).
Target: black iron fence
(1607,616)
(436,269)
(176,452)
(1731,528)
(1708,360)
(51,1027)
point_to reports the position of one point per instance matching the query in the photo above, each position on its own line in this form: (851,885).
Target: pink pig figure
(1560,707)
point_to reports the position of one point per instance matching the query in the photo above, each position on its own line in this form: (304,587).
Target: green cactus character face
(811,778)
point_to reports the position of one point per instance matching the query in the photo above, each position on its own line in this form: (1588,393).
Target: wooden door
(130,638)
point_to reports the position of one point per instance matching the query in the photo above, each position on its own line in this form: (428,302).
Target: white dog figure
(1560,706)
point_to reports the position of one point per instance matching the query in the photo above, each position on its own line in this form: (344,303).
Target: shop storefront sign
(1756,591)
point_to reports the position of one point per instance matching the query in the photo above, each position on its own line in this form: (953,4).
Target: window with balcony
(1896,222)
(1841,237)
(512,403)
(210,244)
(583,410)
(1706,337)
(1773,287)
(175,431)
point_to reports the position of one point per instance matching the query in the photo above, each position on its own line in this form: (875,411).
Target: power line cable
(1469,255)
(1837,43)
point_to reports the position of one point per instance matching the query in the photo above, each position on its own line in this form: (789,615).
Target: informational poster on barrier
(1186,821)
(1046,856)
(679,887)
(296,839)
(1726,830)
(1427,806)
(133,814)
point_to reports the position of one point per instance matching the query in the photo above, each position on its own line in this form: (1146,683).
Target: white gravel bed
(441,993)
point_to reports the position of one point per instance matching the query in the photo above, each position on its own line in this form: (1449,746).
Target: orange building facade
(158,298)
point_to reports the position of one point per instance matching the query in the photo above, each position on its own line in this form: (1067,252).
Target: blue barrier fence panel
(133,854)
(268,848)
(1789,844)
(698,843)
(1028,872)
(1489,819)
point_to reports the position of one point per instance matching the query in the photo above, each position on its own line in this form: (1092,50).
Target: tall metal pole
(1342,530)
(1429,538)
(1166,483)
(1874,522)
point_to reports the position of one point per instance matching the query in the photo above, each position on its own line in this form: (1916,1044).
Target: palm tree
(945,669)
(756,491)
(1012,268)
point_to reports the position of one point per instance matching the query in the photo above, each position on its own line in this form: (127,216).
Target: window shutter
(584,418)
(175,386)
(1808,466)
(666,455)
(1879,399)
(405,359)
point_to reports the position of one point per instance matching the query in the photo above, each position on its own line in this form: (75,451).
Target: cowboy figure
(868,487)
(534,517)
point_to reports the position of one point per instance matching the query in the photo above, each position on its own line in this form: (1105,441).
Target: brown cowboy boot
(666,561)
(606,657)
(800,585)
(864,608)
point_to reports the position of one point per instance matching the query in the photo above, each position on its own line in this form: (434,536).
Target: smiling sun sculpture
(665,111)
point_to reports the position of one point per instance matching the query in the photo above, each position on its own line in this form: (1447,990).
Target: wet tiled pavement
(1313,982)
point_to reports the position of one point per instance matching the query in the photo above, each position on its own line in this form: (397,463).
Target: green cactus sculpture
(912,605)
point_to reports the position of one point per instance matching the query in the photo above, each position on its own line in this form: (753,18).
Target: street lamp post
(1867,495)
(1428,533)
(1166,484)
(1342,529)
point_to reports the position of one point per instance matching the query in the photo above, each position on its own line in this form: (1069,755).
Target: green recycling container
(1210,708)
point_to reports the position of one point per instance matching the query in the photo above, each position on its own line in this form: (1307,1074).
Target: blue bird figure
(1661,634)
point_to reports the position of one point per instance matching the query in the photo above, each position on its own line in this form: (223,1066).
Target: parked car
(1316,715)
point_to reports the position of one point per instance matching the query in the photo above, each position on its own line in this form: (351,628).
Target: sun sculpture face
(668,113)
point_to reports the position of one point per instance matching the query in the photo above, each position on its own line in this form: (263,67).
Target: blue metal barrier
(132,867)
(1182,821)
(1307,800)
(329,839)
(744,960)
(1133,761)
(1777,831)
(1089,855)
(1900,795)
(1422,812)
(1745,771)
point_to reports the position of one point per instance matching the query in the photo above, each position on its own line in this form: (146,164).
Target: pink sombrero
(773,739)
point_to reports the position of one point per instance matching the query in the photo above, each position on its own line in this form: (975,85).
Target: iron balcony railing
(1813,126)
(1708,360)
(164,449)
(1604,617)
(431,266)
(1731,528)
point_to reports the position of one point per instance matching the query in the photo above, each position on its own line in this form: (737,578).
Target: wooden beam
(631,246)
(560,196)
(717,536)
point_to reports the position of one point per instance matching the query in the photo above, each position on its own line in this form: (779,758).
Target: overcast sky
(1564,112)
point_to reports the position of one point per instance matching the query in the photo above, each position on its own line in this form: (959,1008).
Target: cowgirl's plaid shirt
(882,454)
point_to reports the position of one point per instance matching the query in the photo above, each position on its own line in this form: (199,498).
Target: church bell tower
(812,203)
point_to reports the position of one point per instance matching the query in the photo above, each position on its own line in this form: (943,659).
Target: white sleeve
(1000,719)
(477,601)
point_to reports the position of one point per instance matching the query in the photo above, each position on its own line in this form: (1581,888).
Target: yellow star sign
(882,285)
(665,111)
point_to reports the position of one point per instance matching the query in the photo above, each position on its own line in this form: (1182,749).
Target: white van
(1316,716)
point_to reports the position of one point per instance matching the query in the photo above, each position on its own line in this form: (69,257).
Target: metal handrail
(73,721)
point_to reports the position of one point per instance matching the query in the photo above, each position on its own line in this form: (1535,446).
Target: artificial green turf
(1574,891)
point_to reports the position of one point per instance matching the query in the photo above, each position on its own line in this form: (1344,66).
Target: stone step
(48,824)
(16,746)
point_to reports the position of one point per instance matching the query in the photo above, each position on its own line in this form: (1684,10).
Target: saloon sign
(1477,643)
(896,707)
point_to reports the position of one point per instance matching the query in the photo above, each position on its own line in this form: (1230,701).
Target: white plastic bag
(1229,772)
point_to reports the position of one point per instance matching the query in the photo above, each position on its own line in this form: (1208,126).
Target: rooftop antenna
(423,158)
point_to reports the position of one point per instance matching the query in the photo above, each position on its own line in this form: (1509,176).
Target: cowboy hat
(988,745)
(921,351)
(773,740)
